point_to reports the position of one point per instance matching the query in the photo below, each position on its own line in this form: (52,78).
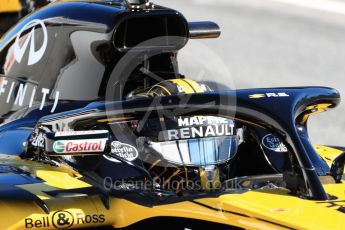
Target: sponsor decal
(59,146)
(255,96)
(64,220)
(268,95)
(123,150)
(80,133)
(18,93)
(202,120)
(39,140)
(79,146)
(43,222)
(199,127)
(273,143)
(338,205)
(28,42)
(21,93)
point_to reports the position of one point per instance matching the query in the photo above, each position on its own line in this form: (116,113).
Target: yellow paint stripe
(115,119)
(160,86)
(128,213)
(186,87)
(327,153)
(319,108)
(60,180)
(165,89)
(196,86)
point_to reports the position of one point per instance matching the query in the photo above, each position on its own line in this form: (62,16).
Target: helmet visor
(198,151)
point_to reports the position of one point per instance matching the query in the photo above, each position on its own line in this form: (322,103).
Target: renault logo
(29,41)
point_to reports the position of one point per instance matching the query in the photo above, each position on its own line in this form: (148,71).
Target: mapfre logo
(23,43)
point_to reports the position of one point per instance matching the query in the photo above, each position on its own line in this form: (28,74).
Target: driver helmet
(186,153)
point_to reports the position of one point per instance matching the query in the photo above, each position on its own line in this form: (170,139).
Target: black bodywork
(80,49)
(83,42)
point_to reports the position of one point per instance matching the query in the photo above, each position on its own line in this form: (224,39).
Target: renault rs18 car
(100,129)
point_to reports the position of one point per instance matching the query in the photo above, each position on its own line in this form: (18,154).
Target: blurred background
(275,43)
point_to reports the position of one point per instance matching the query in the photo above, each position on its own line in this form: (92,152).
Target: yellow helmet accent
(176,86)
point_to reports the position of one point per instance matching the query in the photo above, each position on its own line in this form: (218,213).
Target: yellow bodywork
(260,209)
(327,153)
(9,6)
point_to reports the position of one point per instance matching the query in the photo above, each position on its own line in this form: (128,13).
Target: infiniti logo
(34,55)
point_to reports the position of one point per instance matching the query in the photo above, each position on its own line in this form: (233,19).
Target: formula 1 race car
(100,129)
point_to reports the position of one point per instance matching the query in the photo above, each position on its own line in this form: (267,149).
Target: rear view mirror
(204,29)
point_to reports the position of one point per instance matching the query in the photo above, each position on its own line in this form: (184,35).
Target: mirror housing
(205,29)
